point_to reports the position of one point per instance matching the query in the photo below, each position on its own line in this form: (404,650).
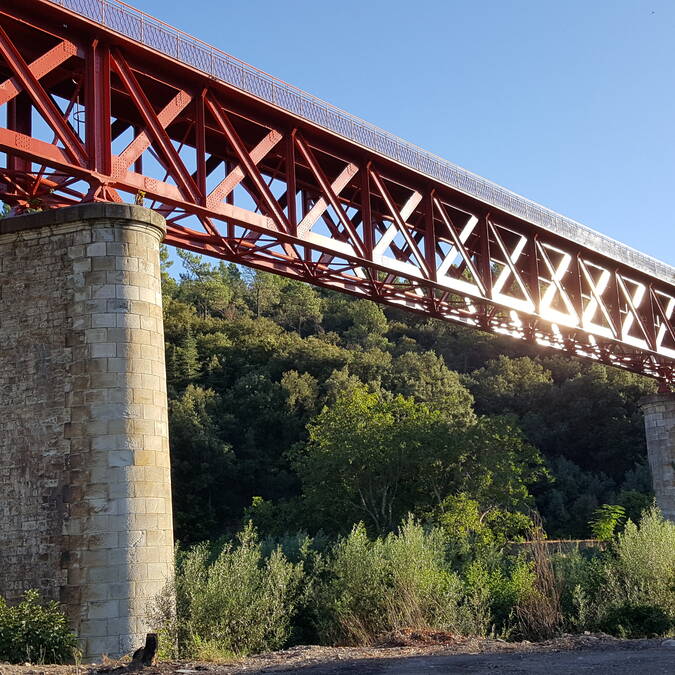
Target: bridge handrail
(151,32)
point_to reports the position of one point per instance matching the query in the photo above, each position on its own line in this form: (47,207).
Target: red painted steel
(93,115)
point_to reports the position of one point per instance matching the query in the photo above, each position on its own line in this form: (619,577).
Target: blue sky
(570,103)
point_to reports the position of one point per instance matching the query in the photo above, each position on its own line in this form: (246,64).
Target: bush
(643,564)
(374,587)
(581,576)
(629,590)
(637,621)
(35,632)
(251,596)
(234,603)
(494,588)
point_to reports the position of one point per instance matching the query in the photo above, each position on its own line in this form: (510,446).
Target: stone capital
(86,215)
(664,398)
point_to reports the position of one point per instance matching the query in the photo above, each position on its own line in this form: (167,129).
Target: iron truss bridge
(103,102)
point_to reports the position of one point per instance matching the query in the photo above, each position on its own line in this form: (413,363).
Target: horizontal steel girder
(93,115)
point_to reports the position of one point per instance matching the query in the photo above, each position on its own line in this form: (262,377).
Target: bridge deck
(172,42)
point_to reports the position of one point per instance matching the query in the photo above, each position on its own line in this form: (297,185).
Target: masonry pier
(659,412)
(85,493)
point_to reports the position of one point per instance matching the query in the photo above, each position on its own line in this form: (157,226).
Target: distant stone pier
(85,492)
(659,412)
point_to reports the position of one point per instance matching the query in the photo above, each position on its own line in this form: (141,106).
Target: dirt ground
(411,652)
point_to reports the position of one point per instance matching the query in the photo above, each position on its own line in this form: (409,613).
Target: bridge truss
(102,102)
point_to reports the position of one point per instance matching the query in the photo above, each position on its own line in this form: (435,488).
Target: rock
(668,643)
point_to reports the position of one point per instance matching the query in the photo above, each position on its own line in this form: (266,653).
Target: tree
(298,304)
(375,458)
(202,466)
(273,352)
(361,454)
(182,362)
(593,419)
(605,520)
(368,323)
(426,378)
(207,288)
(169,284)
(568,504)
(509,385)
(301,390)
(264,290)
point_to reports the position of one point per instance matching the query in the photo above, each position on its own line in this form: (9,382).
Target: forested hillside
(309,410)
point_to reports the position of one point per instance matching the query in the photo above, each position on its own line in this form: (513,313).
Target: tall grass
(539,611)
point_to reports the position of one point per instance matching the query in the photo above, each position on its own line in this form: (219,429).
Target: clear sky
(570,103)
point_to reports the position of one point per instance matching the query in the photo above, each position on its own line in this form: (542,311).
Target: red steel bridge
(102,102)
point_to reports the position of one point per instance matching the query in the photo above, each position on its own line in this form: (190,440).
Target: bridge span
(104,106)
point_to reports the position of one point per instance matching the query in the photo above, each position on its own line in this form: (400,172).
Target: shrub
(235,603)
(494,588)
(628,590)
(636,621)
(643,564)
(35,632)
(581,577)
(374,587)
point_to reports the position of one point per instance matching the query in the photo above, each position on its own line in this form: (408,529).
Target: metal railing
(151,32)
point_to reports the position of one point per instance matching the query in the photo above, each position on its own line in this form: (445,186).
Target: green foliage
(426,378)
(202,465)
(643,563)
(368,323)
(275,352)
(509,385)
(361,455)
(35,632)
(249,596)
(374,587)
(630,589)
(593,420)
(234,603)
(493,589)
(605,521)
(376,459)
(460,518)
(637,621)
(299,304)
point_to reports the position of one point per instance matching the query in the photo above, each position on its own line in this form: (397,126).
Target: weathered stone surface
(85,497)
(659,413)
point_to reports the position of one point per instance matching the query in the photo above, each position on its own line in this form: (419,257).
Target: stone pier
(85,493)
(659,412)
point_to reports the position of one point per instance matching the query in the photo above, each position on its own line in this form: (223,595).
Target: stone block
(107,609)
(96,250)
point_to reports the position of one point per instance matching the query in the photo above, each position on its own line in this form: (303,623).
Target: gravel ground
(412,652)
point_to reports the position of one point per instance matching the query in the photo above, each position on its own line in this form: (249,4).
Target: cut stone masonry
(85,493)
(659,412)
